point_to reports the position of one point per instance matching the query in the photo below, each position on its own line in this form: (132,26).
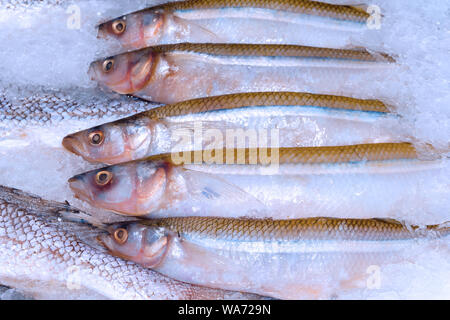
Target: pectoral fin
(200,33)
(216,193)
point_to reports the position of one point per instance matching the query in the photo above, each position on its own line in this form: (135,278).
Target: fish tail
(436,231)
(443,229)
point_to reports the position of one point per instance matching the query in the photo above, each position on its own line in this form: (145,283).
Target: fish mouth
(92,73)
(71,144)
(79,189)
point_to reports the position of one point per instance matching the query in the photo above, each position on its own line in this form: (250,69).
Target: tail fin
(434,231)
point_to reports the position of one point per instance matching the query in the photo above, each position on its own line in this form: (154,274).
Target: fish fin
(212,134)
(206,188)
(358,6)
(197,30)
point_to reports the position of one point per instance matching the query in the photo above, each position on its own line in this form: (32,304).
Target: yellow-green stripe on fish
(233,21)
(342,181)
(38,249)
(300,119)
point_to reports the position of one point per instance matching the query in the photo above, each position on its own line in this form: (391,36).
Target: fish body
(178,72)
(280,183)
(289,259)
(236,21)
(47,258)
(45,108)
(273,119)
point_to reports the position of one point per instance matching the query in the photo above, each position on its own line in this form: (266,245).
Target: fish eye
(119,26)
(108,65)
(121,235)
(103,177)
(96,137)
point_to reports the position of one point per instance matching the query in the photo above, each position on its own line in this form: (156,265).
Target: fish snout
(102,33)
(71,144)
(78,187)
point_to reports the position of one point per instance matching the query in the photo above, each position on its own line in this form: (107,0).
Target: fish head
(135,30)
(114,142)
(143,243)
(135,188)
(125,73)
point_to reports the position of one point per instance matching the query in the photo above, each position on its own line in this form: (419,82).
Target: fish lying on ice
(289,259)
(178,72)
(47,258)
(239,21)
(45,108)
(343,181)
(300,119)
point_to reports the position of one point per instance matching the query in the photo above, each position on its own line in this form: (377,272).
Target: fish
(282,183)
(235,21)
(307,258)
(46,255)
(178,72)
(34,115)
(26,4)
(300,119)
(44,107)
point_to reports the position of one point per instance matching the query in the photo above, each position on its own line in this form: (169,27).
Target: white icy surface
(39,51)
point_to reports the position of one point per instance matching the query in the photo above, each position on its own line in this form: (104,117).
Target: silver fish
(50,259)
(43,107)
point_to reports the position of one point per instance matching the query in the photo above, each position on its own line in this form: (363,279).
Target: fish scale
(311,257)
(297,6)
(169,73)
